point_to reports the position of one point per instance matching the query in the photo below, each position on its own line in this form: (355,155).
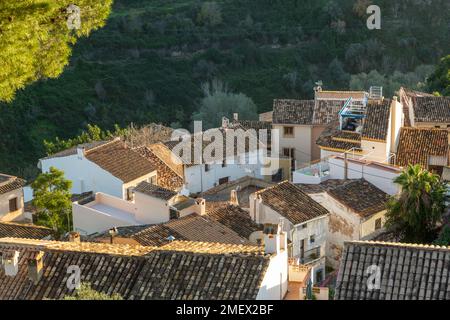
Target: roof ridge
(400,244)
(116,139)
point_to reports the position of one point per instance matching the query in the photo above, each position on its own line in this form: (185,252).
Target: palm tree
(414,214)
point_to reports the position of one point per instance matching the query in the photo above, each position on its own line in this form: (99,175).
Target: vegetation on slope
(149,62)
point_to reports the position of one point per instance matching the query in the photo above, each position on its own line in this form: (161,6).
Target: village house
(427,147)
(149,204)
(193,227)
(32,269)
(108,167)
(423,110)
(11,198)
(357,212)
(393,271)
(370,132)
(302,122)
(200,175)
(303,219)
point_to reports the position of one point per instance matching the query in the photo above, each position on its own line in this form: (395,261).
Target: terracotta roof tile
(408,272)
(155,191)
(121,161)
(193,228)
(235,218)
(9,229)
(291,202)
(417,145)
(431,109)
(293,111)
(360,196)
(10,183)
(326,111)
(376,123)
(179,270)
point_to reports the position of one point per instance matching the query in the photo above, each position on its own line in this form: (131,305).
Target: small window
(152,180)
(304,226)
(378,224)
(312,239)
(437,127)
(130,194)
(288,131)
(224,164)
(207,167)
(13,205)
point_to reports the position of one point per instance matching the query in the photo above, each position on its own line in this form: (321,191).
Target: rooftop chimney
(225,122)
(36,267)
(274,239)
(235,116)
(10,261)
(200,206)
(80,152)
(234,198)
(74,236)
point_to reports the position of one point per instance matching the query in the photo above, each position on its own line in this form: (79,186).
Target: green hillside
(148,63)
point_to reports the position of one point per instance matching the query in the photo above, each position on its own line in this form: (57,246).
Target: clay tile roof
(121,161)
(293,111)
(235,218)
(154,191)
(341,94)
(408,272)
(360,196)
(291,202)
(376,123)
(167,177)
(15,230)
(431,109)
(179,270)
(417,145)
(326,111)
(10,183)
(338,140)
(73,150)
(193,228)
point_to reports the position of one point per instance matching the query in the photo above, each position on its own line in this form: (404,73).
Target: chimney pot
(234,198)
(80,152)
(236,116)
(36,267)
(10,261)
(74,237)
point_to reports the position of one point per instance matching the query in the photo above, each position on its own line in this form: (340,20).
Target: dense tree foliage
(414,215)
(218,102)
(52,199)
(36,38)
(150,60)
(439,81)
(85,292)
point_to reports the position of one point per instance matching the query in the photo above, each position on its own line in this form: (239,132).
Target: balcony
(311,256)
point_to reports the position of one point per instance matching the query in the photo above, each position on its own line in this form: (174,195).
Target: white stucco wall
(150,210)
(275,282)
(5,215)
(198,180)
(380,177)
(300,141)
(85,175)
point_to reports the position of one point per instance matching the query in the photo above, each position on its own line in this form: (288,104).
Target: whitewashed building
(150,204)
(303,219)
(11,198)
(108,167)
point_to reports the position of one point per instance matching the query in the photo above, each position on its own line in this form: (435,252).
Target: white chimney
(235,116)
(200,206)
(225,122)
(10,260)
(36,267)
(234,198)
(184,191)
(80,152)
(274,239)
(74,237)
